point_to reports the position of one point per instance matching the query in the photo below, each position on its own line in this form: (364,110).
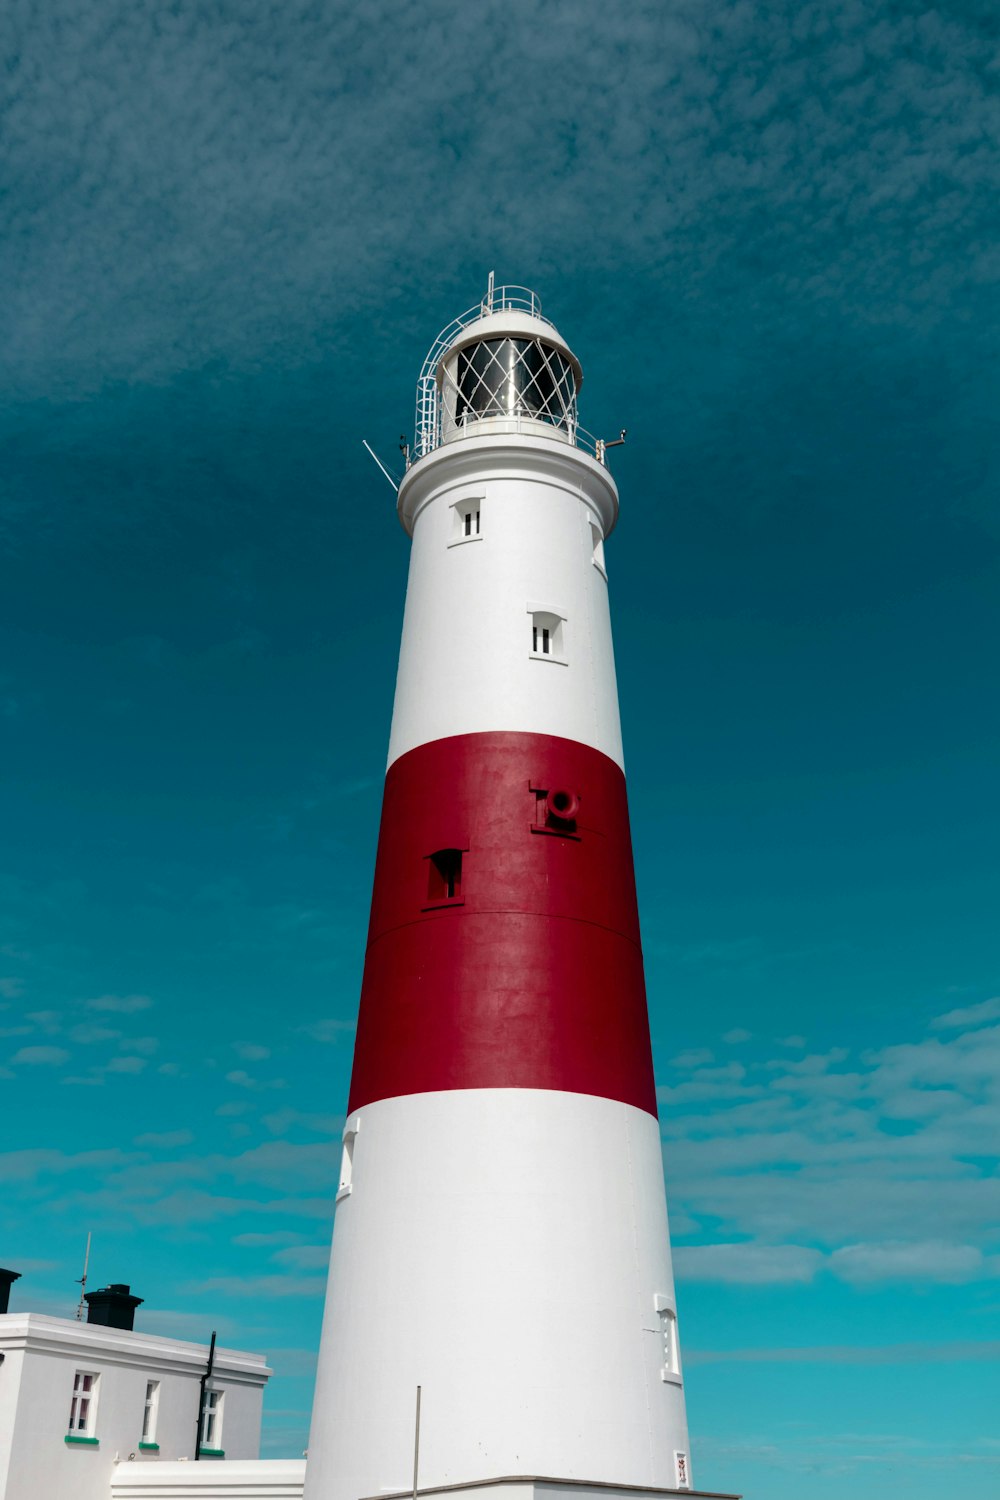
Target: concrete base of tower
(534,1487)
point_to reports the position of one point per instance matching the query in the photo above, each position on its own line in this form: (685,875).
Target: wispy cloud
(827,1162)
(40,1057)
(123,1005)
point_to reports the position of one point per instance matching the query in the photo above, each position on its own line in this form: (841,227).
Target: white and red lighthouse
(501,1232)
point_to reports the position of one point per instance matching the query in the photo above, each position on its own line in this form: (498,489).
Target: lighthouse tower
(501,1228)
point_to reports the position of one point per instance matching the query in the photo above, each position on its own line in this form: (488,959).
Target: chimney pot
(6,1277)
(112,1306)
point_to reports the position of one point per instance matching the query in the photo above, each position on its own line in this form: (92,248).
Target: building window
(682,1471)
(149,1411)
(597,549)
(347,1161)
(547,636)
(83,1407)
(467,525)
(211,1419)
(671,1367)
(444,876)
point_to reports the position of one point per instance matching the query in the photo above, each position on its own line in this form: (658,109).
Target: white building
(79,1402)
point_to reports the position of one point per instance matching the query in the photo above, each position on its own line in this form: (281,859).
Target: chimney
(112,1306)
(6,1277)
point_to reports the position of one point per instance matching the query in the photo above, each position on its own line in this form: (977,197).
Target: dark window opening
(546,637)
(471,523)
(444,882)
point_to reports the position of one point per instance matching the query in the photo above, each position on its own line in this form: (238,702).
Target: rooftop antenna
(385,471)
(83,1280)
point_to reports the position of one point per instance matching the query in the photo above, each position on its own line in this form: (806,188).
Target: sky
(230,232)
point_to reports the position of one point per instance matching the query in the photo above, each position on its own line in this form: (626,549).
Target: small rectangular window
(211,1420)
(547,636)
(670,1369)
(467,523)
(347,1162)
(682,1471)
(149,1411)
(444,875)
(597,553)
(83,1407)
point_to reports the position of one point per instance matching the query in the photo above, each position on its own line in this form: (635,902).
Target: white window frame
(83,1399)
(467,523)
(150,1411)
(347,1158)
(682,1470)
(547,641)
(669,1342)
(597,549)
(212,1407)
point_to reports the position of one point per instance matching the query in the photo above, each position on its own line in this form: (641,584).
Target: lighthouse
(501,1236)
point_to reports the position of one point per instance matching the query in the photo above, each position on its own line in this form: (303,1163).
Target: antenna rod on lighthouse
(83,1280)
(385,471)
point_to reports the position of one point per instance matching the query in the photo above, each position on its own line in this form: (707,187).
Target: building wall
(36,1390)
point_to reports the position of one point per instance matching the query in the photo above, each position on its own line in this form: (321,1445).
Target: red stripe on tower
(503,950)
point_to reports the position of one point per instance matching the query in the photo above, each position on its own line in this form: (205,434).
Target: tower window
(444,876)
(467,525)
(671,1367)
(597,549)
(347,1161)
(547,636)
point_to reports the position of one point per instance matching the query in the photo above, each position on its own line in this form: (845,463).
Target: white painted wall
(504,1249)
(261,1479)
(465,660)
(42,1355)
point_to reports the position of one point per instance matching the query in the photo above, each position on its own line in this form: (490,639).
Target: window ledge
(149,1447)
(670,1377)
(442,905)
(460,541)
(557,833)
(86,1442)
(344,1192)
(211,1452)
(556,661)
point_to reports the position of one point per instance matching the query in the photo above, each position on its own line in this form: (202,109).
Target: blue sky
(770,233)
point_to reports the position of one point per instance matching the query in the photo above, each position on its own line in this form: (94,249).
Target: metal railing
(427,435)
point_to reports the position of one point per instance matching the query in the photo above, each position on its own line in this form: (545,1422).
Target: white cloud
(124,1005)
(959,1351)
(251,1051)
(145,1046)
(126,1065)
(263,1287)
(304,1257)
(244,1080)
(737,1035)
(44,1057)
(848,1154)
(749,1264)
(969,1015)
(164,1140)
(329,1030)
(695,1057)
(920,1260)
(88,1033)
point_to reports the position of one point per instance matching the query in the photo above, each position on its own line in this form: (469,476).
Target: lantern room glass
(515,378)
